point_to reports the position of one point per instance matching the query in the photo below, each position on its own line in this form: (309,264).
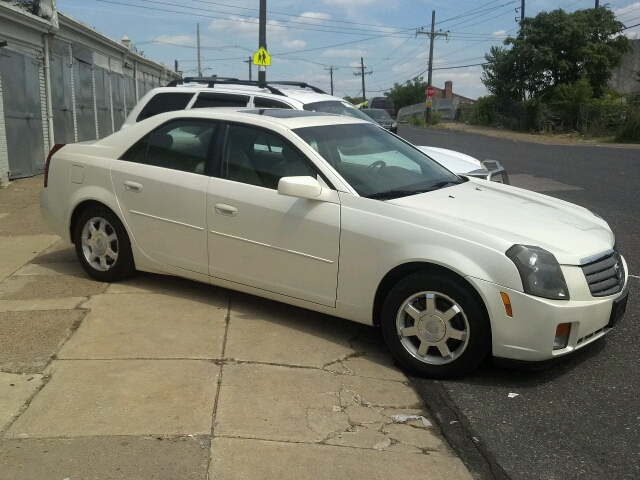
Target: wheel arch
(83,206)
(400,272)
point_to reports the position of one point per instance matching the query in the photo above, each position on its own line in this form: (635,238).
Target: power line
(299,16)
(289,23)
(480,13)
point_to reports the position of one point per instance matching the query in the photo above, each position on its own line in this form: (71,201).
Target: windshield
(374,162)
(336,107)
(377,114)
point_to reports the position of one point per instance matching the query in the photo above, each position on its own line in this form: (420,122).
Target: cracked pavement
(161,377)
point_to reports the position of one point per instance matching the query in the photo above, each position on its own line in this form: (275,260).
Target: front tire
(434,326)
(103,246)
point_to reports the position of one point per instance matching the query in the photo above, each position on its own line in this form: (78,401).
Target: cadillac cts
(336,215)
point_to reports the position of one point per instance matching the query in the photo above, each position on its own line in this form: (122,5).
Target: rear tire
(102,245)
(434,326)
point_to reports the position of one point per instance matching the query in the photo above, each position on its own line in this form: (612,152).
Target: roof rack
(181,81)
(212,81)
(299,84)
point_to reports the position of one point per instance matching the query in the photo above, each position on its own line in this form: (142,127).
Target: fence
(449,108)
(619,119)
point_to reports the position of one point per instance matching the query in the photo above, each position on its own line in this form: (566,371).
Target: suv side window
(165,102)
(260,158)
(208,100)
(260,102)
(182,145)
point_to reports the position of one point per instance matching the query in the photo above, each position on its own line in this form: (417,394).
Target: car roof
(285,117)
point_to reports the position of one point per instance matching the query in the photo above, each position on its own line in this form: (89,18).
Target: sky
(306,39)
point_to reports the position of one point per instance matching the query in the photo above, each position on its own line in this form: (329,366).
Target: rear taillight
(55,148)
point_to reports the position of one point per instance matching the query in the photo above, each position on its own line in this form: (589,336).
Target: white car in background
(463,164)
(337,215)
(217,92)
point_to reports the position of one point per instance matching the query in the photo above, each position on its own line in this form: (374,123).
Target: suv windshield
(375,163)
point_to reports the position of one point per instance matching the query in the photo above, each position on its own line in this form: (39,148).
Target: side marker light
(507,304)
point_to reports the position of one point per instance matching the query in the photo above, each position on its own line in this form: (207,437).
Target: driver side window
(260,158)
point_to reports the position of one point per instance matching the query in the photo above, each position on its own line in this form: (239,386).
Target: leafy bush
(436,118)
(417,121)
(482,112)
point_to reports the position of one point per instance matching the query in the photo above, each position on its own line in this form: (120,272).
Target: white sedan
(339,216)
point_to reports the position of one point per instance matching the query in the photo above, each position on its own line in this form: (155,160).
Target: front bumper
(494,172)
(528,336)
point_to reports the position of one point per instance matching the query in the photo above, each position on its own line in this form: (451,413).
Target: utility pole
(331,69)
(199,64)
(262,38)
(522,9)
(432,36)
(250,61)
(362,73)
(176,68)
(597,3)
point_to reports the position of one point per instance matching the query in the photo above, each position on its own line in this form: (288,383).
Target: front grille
(605,275)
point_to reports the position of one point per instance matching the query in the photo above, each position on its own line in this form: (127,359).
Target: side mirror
(301,187)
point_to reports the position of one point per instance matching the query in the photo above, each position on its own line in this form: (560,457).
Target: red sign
(430,91)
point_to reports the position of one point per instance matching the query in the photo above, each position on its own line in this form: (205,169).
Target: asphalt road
(579,418)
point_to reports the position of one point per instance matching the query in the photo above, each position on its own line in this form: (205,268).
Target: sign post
(429,92)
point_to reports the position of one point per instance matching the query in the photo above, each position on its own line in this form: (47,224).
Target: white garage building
(61,82)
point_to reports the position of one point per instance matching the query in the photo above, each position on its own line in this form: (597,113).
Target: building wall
(4,156)
(24,34)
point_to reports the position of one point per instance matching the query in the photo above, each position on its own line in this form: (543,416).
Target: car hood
(455,161)
(515,216)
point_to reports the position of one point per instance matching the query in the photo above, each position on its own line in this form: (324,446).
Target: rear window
(381,103)
(209,100)
(165,102)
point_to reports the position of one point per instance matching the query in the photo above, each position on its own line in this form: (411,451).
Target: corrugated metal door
(117,95)
(23,114)
(103,101)
(130,93)
(83,79)
(61,94)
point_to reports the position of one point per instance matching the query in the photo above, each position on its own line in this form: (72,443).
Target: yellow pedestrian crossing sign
(262,57)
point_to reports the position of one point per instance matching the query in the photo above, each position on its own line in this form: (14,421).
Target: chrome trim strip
(167,220)
(596,257)
(271,246)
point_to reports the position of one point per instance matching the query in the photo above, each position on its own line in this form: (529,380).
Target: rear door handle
(224,209)
(134,187)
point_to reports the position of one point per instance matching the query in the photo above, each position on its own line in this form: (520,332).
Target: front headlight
(540,272)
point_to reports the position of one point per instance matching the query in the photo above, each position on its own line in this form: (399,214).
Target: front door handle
(224,209)
(134,187)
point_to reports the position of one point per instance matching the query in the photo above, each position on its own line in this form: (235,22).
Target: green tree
(410,93)
(353,100)
(556,48)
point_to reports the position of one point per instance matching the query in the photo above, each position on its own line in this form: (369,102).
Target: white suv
(216,92)
(230,92)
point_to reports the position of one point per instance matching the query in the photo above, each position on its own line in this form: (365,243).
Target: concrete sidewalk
(163,378)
